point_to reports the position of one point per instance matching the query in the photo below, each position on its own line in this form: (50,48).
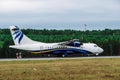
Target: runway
(57,58)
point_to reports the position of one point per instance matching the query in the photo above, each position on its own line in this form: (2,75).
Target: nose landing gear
(97,54)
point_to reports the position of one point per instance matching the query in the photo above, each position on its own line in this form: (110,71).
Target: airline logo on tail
(17,34)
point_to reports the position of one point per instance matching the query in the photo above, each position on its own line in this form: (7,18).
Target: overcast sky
(60,14)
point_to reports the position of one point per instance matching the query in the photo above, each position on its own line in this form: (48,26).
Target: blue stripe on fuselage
(68,50)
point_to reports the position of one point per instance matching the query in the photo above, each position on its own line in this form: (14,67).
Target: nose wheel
(63,55)
(97,54)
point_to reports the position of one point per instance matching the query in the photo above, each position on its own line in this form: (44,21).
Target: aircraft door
(41,47)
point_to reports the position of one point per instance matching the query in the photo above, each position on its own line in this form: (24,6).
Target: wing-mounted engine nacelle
(75,43)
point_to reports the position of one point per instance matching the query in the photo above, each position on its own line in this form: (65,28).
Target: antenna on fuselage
(85,27)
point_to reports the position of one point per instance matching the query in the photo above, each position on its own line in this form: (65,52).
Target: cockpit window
(95,46)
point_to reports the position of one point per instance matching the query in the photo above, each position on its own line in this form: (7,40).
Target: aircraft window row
(57,47)
(60,47)
(54,47)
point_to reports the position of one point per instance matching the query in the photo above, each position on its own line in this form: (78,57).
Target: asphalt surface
(57,58)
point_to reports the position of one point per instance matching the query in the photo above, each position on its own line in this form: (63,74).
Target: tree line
(108,39)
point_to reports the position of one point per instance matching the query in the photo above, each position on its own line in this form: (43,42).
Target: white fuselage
(90,47)
(22,42)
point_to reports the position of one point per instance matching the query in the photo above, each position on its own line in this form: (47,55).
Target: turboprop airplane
(22,42)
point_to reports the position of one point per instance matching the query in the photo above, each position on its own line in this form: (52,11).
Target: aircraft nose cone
(101,50)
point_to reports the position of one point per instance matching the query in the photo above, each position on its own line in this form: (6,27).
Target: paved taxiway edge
(56,58)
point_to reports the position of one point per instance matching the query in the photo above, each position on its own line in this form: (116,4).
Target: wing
(63,43)
(74,42)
